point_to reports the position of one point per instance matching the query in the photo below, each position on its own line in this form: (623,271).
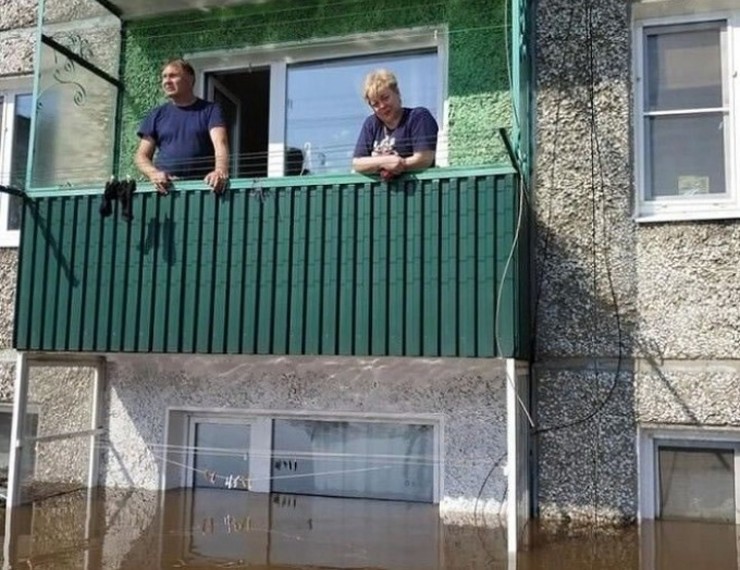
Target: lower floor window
(28,458)
(335,457)
(697,483)
(690,475)
(354,459)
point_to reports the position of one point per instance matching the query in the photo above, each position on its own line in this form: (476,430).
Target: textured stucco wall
(479,100)
(8,272)
(469,394)
(17,14)
(658,300)
(589,467)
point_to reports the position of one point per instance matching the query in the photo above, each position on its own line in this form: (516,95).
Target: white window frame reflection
(652,439)
(278,57)
(207,527)
(9,90)
(667,208)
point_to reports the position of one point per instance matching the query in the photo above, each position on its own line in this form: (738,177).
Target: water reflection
(212,529)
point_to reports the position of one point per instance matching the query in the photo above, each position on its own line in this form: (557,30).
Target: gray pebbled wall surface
(623,308)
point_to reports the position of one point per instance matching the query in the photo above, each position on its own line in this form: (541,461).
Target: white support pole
(20,401)
(517,437)
(12,500)
(99,387)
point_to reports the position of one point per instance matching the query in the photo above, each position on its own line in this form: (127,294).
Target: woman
(394,139)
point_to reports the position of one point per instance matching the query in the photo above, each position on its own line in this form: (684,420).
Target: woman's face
(386,105)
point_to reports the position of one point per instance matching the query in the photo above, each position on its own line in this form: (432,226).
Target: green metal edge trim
(288,181)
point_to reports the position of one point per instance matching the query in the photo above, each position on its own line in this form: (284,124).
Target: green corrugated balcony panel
(433,264)
(320,262)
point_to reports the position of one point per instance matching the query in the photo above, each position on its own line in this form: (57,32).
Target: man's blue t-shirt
(417,131)
(183,138)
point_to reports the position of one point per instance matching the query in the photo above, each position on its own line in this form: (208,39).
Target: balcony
(344,265)
(434,264)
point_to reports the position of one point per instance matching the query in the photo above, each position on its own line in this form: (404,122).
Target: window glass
(28,457)
(73,105)
(221,455)
(697,483)
(354,459)
(684,69)
(19,158)
(325,108)
(686,154)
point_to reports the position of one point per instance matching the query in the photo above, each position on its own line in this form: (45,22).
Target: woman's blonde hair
(377,81)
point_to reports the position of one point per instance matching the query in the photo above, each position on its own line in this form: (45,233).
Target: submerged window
(688,474)
(354,459)
(385,458)
(221,451)
(28,460)
(697,483)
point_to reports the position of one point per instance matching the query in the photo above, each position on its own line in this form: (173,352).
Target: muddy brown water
(219,529)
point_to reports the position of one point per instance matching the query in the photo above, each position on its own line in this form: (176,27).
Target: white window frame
(261,444)
(277,57)
(10,88)
(651,439)
(672,208)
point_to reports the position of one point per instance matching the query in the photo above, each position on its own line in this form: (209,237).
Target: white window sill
(687,216)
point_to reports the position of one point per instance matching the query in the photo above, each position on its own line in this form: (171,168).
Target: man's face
(176,83)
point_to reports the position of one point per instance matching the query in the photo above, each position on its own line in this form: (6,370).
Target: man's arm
(220,175)
(143,160)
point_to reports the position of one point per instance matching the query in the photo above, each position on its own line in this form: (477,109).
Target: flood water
(218,529)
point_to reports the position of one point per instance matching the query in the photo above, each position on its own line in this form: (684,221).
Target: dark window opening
(244,97)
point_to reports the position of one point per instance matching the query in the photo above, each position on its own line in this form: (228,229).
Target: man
(188,133)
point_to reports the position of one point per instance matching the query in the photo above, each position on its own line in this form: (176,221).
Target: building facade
(397,313)
(637,358)
(319,334)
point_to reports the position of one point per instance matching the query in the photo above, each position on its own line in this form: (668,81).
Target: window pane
(221,455)
(28,457)
(354,459)
(19,159)
(686,155)
(325,108)
(697,484)
(74,106)
(684,69)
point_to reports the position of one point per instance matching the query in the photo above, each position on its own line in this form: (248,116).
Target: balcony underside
(342,265)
